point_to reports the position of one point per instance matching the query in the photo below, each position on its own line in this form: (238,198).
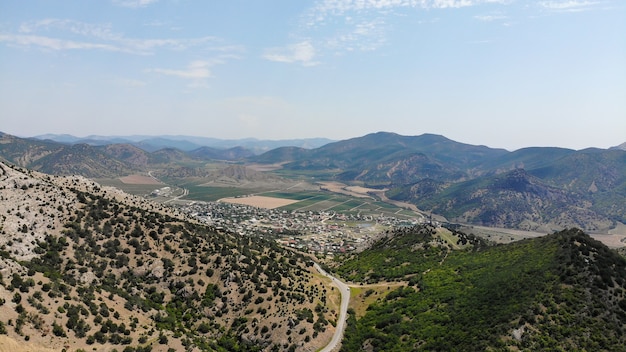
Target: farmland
(291,196)
(334,202)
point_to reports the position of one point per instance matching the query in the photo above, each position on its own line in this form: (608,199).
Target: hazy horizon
(182,137)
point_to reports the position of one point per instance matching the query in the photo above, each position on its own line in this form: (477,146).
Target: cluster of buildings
(312,231)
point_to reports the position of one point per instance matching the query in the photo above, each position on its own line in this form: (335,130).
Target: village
(311,231)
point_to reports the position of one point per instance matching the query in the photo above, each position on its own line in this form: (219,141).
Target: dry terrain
(121,260)
(260,201)
(338,187)
(139,180)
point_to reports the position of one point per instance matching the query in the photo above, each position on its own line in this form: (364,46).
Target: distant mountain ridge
(621,146)
(103,160)
(186,143)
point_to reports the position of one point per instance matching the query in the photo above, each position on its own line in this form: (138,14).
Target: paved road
(343,311)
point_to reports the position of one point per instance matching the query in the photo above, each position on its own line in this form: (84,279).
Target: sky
(502,73)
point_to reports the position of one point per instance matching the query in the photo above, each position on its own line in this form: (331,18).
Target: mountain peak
(621,146)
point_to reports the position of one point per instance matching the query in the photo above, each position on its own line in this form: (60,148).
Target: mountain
(563,291)
(56,158)
(384,157)
(525,158)
(584,188)
(385,146)
(24,151)
(106,160)
(128,154)
(515,199)
(235,153)
(81,159)
(621,146)
(91,268)
(186,143)
(531,188)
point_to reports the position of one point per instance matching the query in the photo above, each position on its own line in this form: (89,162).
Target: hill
(90,267)
(564,291)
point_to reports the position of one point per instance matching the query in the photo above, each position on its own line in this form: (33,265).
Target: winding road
(343,310)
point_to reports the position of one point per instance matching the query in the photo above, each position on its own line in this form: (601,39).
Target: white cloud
(363,25)
(55,44)
(338,7)
(490,18)
(302,53)
(363,36)
(134,3)
(195,70)
(569,6)
(68,34)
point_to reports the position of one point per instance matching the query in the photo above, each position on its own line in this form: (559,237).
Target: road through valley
(343,311)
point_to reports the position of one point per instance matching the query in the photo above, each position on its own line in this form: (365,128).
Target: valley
(360,204)
(173,252)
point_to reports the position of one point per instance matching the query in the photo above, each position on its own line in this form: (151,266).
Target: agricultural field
(297,196)
(260,201)
(340,203)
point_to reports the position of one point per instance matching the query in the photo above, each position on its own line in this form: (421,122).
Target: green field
(328,201)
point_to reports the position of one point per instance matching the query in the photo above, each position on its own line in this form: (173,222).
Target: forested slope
(564,291)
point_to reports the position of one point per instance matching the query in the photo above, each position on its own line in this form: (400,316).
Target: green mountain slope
(515,199)
(586,189)
(525,158)
(388,158)
(564,291)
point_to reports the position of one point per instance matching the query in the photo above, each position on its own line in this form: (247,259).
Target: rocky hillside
(92,268)
(514,199)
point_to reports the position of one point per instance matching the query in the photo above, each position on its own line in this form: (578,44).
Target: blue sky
(506,74)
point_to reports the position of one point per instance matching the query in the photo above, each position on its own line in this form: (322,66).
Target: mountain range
(536,188)
(185,143)
(532,188)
